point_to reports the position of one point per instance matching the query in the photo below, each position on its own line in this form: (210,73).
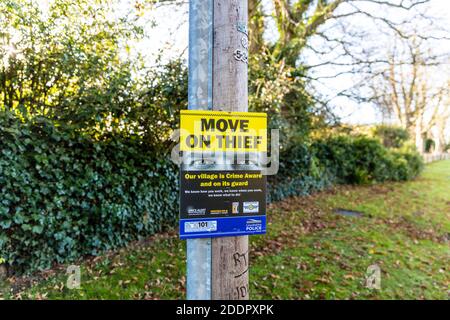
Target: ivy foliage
(64,195)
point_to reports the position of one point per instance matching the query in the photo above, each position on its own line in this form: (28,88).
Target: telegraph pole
(217,268)
(229,255)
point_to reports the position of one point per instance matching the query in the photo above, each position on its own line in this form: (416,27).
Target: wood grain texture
(230,76)
(229,255)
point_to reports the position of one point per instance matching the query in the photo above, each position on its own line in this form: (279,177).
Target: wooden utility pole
(229,255)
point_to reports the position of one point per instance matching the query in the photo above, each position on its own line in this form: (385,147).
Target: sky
(167,38)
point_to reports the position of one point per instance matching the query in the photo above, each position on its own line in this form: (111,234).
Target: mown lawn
(310,252)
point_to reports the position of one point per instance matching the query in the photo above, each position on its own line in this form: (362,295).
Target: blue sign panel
(221,227)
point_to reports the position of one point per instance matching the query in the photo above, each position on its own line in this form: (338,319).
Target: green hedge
(360,160)
(340,160)
(300,173)
(65,195)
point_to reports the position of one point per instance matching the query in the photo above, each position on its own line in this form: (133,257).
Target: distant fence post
(432,157)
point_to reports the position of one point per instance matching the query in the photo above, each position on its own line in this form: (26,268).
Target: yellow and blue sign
(222,200)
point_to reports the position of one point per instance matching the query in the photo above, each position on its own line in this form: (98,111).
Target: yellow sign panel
(223,131)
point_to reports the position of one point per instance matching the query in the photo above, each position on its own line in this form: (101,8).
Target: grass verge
(310,252)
